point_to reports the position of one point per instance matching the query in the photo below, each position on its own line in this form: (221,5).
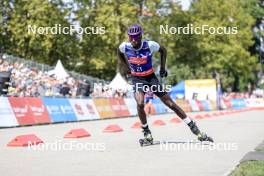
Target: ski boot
(201,136)
(148,139)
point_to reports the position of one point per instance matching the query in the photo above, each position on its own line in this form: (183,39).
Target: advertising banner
(37,110)
(22,111)
(184,104)
(7,116)
(119,107)
(132,106)
(103,108)
(84,109)
(201,89)
(194,105)
(212,105)
(226,104)
(200,104)
(206,105)
(59,109)
(159,106)
(238,103)
(255,102)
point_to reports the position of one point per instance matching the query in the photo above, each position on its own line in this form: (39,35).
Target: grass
(249,168)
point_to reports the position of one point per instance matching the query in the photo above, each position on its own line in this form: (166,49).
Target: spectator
(65,90)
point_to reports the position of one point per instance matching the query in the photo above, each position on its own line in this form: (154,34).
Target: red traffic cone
(175,120)
(136,125)
(199,116)
(158,123)
(207,116)
(112,129)
(77,133)
(25,140)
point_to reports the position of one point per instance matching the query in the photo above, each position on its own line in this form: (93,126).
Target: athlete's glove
(163,73)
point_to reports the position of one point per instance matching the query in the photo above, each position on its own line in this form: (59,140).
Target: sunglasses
(134,37)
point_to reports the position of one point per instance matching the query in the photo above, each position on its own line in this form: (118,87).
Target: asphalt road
(179,152)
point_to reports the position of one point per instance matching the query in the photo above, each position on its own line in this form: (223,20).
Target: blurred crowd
(25,81)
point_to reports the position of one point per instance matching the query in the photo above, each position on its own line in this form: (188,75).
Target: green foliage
(226,54)
(47,48)
(99,51)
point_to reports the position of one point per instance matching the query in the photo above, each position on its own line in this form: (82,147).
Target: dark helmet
(135,30)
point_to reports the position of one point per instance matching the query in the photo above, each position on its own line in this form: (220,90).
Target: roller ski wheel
(203,137)
(144,142)
(148,139)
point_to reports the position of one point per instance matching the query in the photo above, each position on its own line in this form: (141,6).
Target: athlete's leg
(139,97)
(167,100)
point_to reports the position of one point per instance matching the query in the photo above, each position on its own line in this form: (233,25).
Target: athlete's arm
(163,57)
(124,66)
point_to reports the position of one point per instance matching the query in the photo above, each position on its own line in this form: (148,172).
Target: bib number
(139,69)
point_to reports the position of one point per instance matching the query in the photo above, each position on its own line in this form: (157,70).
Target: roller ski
(147,140)
(201,136)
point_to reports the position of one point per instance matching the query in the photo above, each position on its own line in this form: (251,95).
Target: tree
(227,54)
(47,47)
(5,11)
(99,51)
